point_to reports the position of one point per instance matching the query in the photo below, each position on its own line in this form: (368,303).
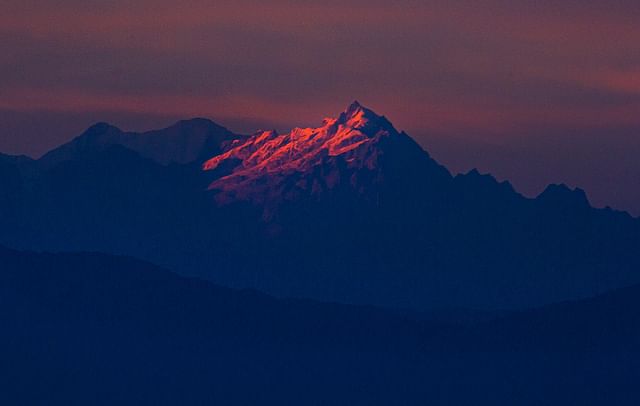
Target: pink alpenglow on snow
(264,162)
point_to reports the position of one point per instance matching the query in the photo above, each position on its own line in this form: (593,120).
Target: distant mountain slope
(353,211)
(185,142)
(11,184)
(96,288)
(14,159)
(607,322)
(97,329)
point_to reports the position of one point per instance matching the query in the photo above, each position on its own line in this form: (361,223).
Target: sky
(531,91)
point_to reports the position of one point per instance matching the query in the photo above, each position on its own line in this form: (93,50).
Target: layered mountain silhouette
(184,142)
(353,211)
(98,329)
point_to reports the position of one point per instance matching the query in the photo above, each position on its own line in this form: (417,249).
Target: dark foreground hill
(82,329)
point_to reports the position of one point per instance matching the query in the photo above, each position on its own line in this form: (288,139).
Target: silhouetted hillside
(95,329)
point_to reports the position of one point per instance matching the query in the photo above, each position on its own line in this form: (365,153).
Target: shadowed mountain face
(182,143)
(352,211)
(97,329)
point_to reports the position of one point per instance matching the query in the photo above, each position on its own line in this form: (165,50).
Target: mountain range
(333,265)
(353,211)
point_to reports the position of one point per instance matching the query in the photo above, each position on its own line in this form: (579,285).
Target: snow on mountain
(267,160)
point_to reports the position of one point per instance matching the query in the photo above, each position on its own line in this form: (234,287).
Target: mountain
(14,159)
(86,328)
(353,211)
(185,142)
(96,329)
(268,167)
(11,181)
(608,321)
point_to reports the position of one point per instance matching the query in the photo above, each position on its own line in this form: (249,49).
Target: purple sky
(533,91)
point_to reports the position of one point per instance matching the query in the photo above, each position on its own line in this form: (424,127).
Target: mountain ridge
(220,147)
(183,142)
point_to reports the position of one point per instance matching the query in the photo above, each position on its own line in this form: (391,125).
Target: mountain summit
(269,164)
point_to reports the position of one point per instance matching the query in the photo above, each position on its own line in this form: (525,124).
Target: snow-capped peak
(267,156)
(359,117)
